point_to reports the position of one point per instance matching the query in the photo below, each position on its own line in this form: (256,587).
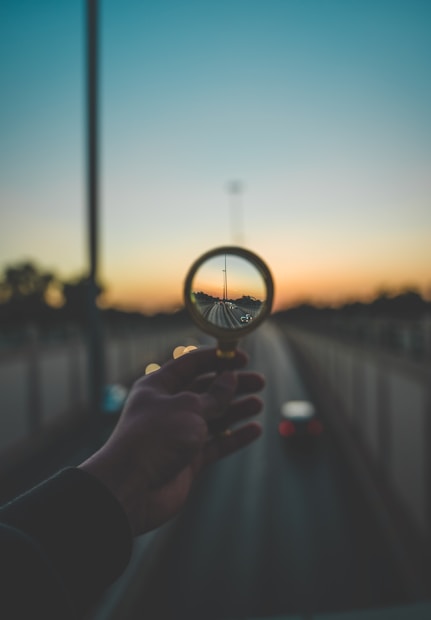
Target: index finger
(177,374)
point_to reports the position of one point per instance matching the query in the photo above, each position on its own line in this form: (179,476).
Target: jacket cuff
(81,527)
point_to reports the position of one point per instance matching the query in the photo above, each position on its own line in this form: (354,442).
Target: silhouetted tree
(76,299)
(23,293)
(201,296)
(25,280)
(409,305)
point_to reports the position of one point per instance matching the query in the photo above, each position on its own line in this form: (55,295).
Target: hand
(171,427)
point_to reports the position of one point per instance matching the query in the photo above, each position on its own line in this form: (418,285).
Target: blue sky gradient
(321,108)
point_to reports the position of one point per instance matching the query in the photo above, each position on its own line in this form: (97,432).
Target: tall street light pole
(94,335)
(235,191)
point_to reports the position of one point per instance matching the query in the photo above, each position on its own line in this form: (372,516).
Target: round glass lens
(228,291)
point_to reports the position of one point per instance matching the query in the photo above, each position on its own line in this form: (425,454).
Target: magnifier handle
(226,349)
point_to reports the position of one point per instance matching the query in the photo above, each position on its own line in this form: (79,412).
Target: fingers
(223,445)
(247,382)
(237,412)
(217,405)
(178,374)
(218,401)
(219,395)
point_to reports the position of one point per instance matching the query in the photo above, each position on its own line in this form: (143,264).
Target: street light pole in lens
(224,280)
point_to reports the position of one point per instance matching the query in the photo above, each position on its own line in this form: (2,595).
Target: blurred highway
(225,314)
(281,528)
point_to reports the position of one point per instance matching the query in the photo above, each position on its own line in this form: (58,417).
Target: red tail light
(286,428)
(314,427)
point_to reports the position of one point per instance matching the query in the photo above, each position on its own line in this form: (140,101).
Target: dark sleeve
(61,545)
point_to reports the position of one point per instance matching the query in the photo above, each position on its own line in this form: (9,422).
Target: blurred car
(298,418)
(246,318)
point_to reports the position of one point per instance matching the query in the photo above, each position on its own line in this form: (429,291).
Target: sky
(320,108)
(227,276)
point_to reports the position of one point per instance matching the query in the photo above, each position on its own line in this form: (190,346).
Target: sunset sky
(321,108)
(229,277)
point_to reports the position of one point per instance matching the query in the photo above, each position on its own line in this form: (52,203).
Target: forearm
(74,531)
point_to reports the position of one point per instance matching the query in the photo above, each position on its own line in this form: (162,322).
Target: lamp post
(235,191)
(224,280)
(94,335)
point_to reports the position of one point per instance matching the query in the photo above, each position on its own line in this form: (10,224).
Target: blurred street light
(235,190)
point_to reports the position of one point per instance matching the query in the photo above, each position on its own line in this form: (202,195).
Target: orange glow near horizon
(307,268)
(238,275)
(321,288)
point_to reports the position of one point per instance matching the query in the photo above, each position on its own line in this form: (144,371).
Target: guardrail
(380,405)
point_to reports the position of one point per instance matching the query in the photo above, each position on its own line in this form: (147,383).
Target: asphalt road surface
(280,528)
(223,315)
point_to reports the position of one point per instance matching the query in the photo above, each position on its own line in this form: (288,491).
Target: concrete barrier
(380,405)
(44,383)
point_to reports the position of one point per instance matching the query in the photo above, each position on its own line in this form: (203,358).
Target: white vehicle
(298,418)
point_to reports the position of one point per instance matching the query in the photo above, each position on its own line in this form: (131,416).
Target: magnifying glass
(228,292)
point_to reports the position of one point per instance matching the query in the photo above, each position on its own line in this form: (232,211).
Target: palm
(163,503)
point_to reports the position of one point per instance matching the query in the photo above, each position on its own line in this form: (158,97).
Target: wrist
(118,482)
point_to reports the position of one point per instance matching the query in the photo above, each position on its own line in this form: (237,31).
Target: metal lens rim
(223,333)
